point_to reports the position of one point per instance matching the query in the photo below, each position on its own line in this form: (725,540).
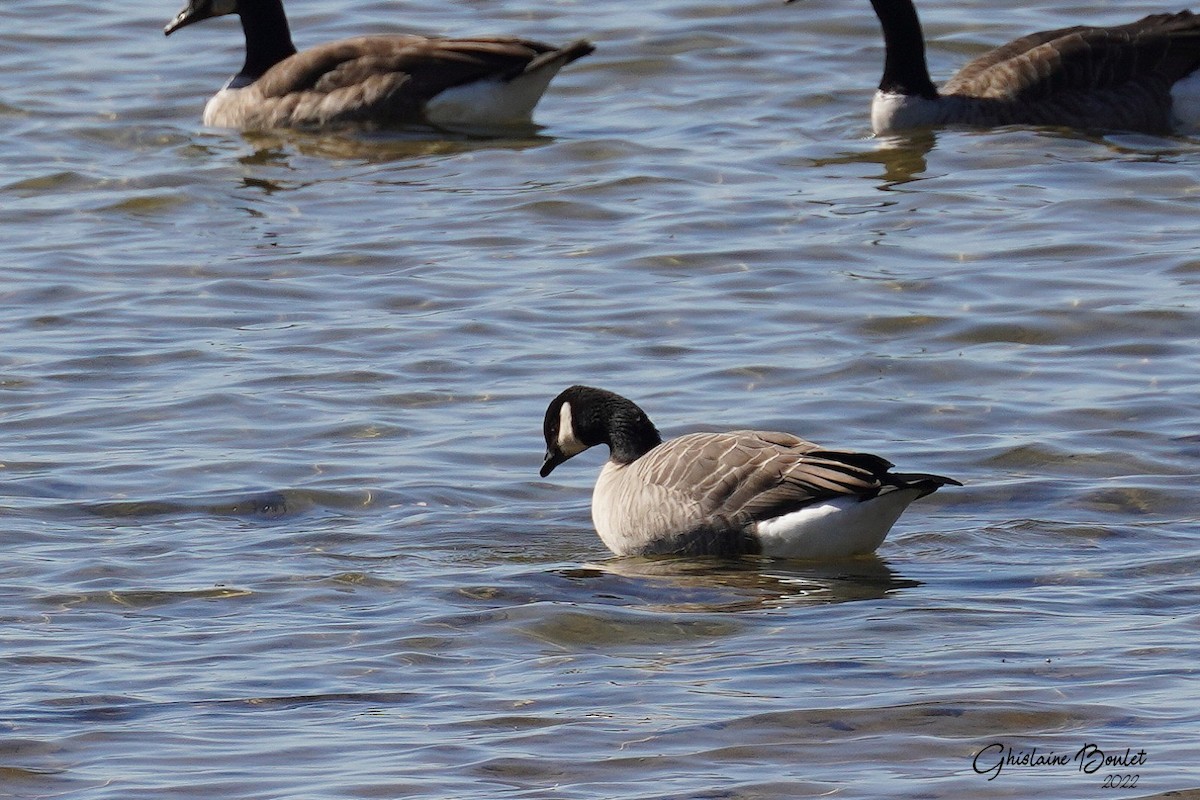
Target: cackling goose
(726,494)
(375,81)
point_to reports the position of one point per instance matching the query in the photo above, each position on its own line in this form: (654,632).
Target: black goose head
(264,23)
(583,416)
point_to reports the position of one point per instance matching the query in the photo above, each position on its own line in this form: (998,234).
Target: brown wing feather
(1157,50)
(975,72)
(747,475)
(428,65)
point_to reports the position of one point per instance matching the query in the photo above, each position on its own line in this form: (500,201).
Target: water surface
(271,414)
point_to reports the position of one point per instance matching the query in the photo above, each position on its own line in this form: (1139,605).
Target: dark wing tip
(927,483)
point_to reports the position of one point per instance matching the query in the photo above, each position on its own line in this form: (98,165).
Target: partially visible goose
(375,80)
(726,494)
(1134,77)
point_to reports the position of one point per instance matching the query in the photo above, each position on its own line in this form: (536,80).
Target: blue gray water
(270,411)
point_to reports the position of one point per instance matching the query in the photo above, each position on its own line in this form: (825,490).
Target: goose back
(1118,77)
(1165,47)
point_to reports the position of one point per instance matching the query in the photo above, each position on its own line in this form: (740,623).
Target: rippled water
(271,414)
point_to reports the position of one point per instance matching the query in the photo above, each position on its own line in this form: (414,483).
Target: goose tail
(554,60)
(924,482)
(502,100)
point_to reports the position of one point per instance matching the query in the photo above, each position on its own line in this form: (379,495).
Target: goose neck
(631,434)
(904,68)
(628,446)
(268,38)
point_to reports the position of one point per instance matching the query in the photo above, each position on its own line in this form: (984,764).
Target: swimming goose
(375,80)
(726,494)
(1132,77)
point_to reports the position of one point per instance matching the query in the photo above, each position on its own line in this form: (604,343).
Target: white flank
(491,102)
(835,528)
(1185,103)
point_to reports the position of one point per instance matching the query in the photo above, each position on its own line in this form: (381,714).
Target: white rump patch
(491,102)
(1185,103)
(834,529)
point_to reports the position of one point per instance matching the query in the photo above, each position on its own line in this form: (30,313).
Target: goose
(1135,77)
(726,494)
(375,81)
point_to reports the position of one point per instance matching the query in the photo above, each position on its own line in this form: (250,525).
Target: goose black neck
(268,38)
(604,416)
(904,68)
(631,436)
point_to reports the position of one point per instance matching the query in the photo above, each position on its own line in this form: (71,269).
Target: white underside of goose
(1185,102)
(213,108)
(840,528)
(490,102)
(892,111)
(479,104)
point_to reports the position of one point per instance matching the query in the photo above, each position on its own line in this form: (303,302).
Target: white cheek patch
(568,442)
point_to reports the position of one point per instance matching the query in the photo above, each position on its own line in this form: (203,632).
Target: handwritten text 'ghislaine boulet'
(1088,759)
